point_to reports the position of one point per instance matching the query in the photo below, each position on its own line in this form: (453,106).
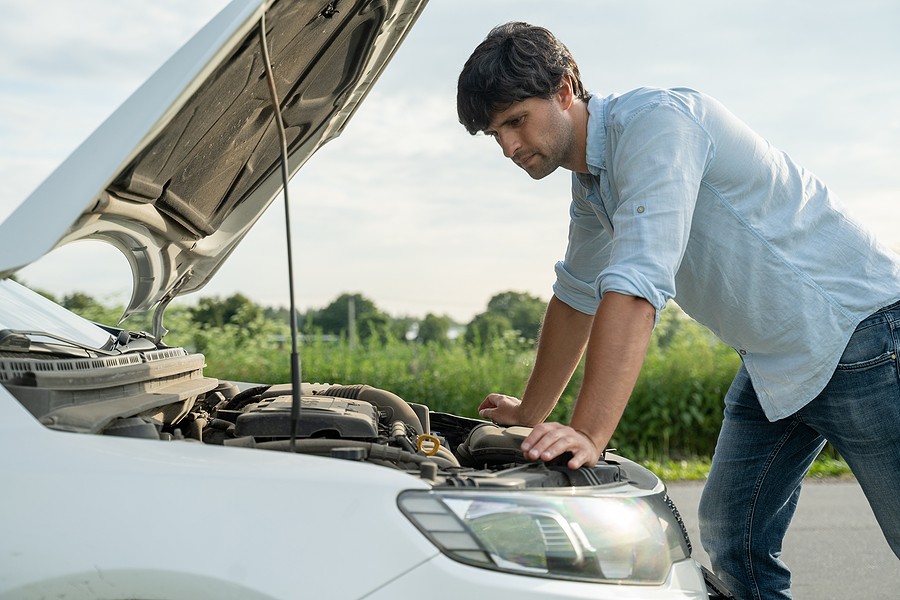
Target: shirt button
(640,210)
(742,352)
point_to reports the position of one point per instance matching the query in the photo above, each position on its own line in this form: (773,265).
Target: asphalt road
(834,547)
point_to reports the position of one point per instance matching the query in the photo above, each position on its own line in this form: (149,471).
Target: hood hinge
(159,330)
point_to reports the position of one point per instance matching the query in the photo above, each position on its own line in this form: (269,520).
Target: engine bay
(163,394)
(363,423)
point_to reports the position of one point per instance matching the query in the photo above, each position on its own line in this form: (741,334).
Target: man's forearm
(564,335)
(618,343)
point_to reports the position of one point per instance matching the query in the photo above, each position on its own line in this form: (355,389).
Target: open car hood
(180,172)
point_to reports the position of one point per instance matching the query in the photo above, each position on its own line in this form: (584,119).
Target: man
(674,198)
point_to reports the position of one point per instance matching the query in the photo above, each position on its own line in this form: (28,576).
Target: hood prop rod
(279,122)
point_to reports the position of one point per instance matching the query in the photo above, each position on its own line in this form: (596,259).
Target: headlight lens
(580,536)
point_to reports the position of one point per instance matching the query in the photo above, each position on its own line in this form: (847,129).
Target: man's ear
(566,95)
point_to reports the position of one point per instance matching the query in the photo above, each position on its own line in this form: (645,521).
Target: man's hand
(501,409)
(549,440)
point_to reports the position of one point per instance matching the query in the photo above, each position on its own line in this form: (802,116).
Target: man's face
(535,134)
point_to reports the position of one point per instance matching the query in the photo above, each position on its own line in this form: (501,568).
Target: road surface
(834,547)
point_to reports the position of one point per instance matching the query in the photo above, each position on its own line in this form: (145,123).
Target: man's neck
(577,159)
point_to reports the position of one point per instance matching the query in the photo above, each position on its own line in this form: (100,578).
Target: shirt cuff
(580,295)
(630,282)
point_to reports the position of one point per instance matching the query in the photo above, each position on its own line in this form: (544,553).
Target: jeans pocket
(870,345)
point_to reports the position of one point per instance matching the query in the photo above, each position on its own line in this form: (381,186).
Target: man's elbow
(637,307)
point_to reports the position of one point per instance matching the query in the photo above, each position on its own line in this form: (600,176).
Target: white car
(129,474)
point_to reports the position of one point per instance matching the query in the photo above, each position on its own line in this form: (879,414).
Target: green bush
(451,377)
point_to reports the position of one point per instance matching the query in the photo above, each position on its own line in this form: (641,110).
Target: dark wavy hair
(515,61)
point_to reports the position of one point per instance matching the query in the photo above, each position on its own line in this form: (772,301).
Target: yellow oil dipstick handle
(434,446)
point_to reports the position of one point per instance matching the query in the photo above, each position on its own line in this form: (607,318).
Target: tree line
(350,316)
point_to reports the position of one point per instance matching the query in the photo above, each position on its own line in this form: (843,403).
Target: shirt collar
(596,131)
(596,134)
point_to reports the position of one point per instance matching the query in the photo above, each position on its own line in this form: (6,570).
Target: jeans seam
(756,489)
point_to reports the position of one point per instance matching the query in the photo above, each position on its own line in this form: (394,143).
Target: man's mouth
(524,160)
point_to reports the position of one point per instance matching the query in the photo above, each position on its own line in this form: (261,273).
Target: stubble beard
(543,163)
(540,166)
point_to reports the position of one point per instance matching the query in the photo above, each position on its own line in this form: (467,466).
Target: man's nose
(509,143)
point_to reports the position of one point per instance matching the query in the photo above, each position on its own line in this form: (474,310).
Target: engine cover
(320,417)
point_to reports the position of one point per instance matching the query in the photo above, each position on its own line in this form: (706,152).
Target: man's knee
(717,521)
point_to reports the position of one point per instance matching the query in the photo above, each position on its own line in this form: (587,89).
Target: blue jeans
(758,465)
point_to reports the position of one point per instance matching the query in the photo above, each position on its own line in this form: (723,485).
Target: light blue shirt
(685,202)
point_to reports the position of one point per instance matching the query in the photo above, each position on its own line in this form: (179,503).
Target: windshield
(21,309)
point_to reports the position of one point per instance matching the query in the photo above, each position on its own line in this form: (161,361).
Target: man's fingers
(549,440)
(498,400)
(557,447)
(500,409)
(542,438)
(580,459)
(488,402)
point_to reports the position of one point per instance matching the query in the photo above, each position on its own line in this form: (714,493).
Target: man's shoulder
(675,106)
(624,106)
(651,95)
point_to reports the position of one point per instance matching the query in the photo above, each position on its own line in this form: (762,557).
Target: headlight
(575,535)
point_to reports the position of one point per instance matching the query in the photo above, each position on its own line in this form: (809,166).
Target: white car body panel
(108,517)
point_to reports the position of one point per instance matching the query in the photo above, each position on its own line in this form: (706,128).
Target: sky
(407,208)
